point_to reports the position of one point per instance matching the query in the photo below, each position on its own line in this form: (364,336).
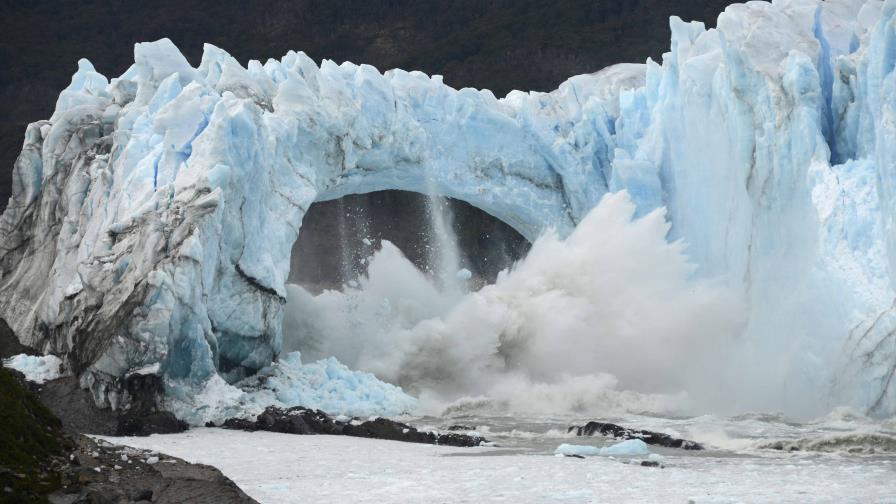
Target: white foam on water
(608,319)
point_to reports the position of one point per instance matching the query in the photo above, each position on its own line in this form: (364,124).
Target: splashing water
(346,272)
(606,318)
(444,252)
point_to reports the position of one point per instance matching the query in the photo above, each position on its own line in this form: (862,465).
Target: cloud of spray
(609,318)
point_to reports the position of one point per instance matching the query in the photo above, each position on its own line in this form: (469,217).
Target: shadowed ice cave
(338,236)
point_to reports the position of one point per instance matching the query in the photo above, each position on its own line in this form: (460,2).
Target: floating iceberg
(627,448)
(153,214)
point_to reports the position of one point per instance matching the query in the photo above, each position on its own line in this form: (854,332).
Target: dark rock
(299,420)
(40,462)
(460,440)
(87,475)
(144,391)
(144,424)
(383,428)
(139,495)
(238,424)
(10,344)
(459,427)
(173,481)
(63,498)
(619,432)
(573,455)
(80,414)
(650,463)
(105,495)
(75,407)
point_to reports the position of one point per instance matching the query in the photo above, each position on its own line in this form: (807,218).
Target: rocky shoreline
(301,420)
(80,469)
(44,459)
(101,472)
(623,433)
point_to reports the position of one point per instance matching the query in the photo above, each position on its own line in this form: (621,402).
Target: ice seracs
(153,214)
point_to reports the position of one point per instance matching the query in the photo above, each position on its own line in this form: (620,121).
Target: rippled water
(840,434)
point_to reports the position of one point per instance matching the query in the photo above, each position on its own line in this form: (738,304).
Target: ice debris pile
(152,215)
(325,385)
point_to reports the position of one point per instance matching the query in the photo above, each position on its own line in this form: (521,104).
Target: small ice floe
(152,460)
(627,448)
(464,274)
(37,369)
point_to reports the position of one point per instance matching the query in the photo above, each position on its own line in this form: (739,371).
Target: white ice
(38,369)
(325,384)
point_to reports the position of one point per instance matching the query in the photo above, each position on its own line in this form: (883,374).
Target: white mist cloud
(609,317)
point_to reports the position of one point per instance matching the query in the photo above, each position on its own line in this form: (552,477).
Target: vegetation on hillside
(32,444)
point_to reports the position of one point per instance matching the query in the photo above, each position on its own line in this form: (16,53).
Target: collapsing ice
(152,216)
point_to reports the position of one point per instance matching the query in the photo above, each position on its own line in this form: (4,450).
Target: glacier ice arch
(152,215)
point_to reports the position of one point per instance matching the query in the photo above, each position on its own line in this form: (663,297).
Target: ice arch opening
(367,267)
(339,235)
(172,196)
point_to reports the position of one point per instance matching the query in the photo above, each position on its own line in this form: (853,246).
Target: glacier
(153,214)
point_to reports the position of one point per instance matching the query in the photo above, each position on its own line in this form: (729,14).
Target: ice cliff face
(153,215)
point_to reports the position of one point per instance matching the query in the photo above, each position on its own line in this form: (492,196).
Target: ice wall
(152,215)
